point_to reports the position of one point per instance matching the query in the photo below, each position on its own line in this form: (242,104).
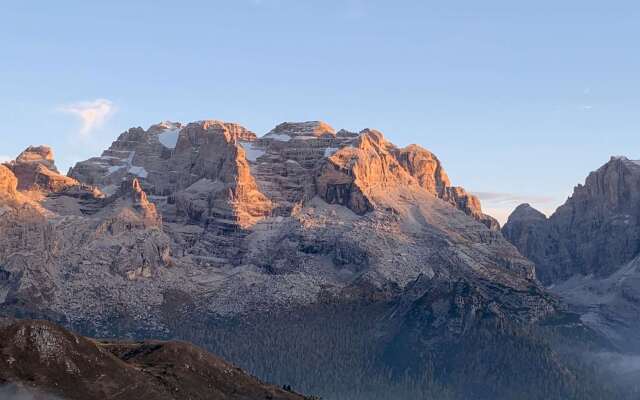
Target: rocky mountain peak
(131,190)
(616,183)
(42,154)
(315,129)
(198,133)
(35,169)
(373,167)
(425,167)
(164,126)
(525,212)
(596,230)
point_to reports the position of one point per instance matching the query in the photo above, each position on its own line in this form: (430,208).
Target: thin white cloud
(5,158)
(92,114)
(500,205)
(509,198)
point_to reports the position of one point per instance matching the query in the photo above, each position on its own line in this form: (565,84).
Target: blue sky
(520,100)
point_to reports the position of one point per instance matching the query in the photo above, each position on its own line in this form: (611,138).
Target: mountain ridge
(208,233)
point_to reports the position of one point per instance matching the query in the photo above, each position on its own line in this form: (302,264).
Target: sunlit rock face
(354,174)
(36,170)
(8,182)
(44,361)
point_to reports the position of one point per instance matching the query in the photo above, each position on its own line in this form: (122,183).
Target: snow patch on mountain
(328,152)
(252,153)
(278,136)
(169,138)
(139,171)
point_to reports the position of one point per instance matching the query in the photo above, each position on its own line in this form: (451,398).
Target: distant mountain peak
(526,211)
(308,128)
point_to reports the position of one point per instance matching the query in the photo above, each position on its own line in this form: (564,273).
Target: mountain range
(335,262)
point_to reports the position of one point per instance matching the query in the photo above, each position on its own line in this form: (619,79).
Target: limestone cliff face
(36,170)
(594,232)
(47,228)
(210,151)
(425,167)
(8,182)
(371,164)
(589,249)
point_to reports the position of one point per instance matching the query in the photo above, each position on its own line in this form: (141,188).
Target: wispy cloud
(5,158)
(92,114)
(500,205)
(510,198)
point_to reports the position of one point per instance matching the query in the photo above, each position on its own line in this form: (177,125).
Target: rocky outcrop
(371,164)
(470,204)
(35,170)
(8,182)
(352,174)
(425,167)
(130,196)
(42,155)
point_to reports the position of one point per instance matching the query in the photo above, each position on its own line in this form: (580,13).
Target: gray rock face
(595,232)
(610,305)
(588,249)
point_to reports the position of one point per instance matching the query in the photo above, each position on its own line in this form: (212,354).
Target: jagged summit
(314,129)
(590,247)
(526,212)
(624,159)
(42,154)
(275,172)
(8,182)
(570,242)
(35,169)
